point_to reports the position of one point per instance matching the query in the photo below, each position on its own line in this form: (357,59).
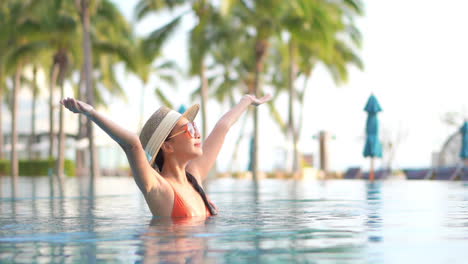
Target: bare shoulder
(161,185)
(160,198)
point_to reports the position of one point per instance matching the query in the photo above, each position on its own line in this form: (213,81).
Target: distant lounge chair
(464,173)
(380,174)
(447,173)
(418,174)
(352,173)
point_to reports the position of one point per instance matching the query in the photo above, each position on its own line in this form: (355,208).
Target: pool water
(276,221)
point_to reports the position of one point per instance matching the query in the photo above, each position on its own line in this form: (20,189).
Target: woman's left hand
(258,101)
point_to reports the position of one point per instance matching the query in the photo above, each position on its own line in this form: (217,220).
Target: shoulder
(159,198)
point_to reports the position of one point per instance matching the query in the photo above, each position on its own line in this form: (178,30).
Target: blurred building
(37,147)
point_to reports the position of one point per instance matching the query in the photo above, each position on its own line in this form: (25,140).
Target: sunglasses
(190,129)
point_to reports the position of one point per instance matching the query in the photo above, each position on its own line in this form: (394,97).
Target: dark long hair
(159,163)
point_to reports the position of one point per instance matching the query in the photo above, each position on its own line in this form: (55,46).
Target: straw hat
(158,127)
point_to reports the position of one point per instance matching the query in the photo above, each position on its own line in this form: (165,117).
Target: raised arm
(213,143)
(142,172)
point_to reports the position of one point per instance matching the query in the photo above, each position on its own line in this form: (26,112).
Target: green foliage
(146,7)
(4,167)
(163,98)
(37,167)
(151,46)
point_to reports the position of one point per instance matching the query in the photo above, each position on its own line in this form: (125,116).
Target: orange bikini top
(181,208)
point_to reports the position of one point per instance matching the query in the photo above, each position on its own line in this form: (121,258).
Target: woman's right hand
(77,106)
(258,101)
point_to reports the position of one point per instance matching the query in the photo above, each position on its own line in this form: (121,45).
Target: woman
(168,161)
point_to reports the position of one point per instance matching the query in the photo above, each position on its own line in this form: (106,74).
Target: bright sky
(415,60)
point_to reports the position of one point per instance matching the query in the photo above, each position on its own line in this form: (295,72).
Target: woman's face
(182,141)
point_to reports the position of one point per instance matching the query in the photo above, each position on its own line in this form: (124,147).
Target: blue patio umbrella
(182,109)
(373,146)
(464,146)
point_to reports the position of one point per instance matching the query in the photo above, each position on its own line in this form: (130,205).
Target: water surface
(276,221)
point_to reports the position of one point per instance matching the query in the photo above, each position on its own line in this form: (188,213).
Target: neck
(174,170)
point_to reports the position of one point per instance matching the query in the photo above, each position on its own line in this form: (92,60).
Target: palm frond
(167,65)
(24,51)
(277,116)
(151,45)
(195,94)
(163,98)
(145,7)
(355,5)
(122,52)
(169,79)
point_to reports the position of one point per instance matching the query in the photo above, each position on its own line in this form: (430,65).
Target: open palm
(258,101)
(76,106)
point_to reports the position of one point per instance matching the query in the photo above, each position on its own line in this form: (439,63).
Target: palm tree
(144,68)
(58,30)
(333,22)
(110,30)
(263,20)
(2,91)
(200,38)
(35,91)
(232,63)
(61,26)
(310,23)
(110,42)
(230,55)
(62,60)
(17,26)
(113,42)
(84,11)
(140,61)
(5,32)
(33,84)
(2,79)
(14,131)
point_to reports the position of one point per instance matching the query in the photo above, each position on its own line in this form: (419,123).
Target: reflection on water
(175,241)
(278,221)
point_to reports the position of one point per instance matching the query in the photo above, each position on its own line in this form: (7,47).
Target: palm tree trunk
(1,125)
(53,81)
(14,132)
(61,145)
(254,154)
(204,99)
(32,137)
(82,132)
(301,109)
(261,47)
(85,19)
(2,156)
(235,153)
(292,97)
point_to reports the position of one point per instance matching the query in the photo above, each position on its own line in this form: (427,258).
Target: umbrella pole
(371,174)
